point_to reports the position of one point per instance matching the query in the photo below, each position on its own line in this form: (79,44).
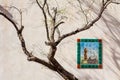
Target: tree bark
(64,73)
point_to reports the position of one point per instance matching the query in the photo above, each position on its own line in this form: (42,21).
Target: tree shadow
(112,23)
(113,26)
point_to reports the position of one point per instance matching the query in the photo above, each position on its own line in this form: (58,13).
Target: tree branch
(48,9)
(4,15)
(55,25)
(23,45)
(35,59)
(87,26)
(20,12)
(59,24)
(45,1)
(65,74)
(45,17)
(52,28)
(57,29)
(39,4)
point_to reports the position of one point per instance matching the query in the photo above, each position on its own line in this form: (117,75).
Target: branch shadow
(110,22)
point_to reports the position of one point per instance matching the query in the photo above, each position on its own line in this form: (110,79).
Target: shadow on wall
(113,25)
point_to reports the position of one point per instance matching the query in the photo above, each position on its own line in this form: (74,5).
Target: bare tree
(53,64)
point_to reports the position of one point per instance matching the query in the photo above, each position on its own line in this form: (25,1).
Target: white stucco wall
(14,64)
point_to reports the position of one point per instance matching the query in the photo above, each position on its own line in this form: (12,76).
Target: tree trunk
(64,73)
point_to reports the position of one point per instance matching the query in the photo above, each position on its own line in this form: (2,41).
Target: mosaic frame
(91,66)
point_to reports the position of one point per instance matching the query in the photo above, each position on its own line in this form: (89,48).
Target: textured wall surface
(14,64)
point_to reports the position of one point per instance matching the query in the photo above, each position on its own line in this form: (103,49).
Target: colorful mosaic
(89,53)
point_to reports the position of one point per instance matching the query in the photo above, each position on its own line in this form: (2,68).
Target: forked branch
(45,17)
(30,56)
(87,26)
(53,64)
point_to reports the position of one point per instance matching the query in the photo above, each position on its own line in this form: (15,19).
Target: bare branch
(52,43)
(86,26)
(50,36)
(35,59)
(48,9)
(53,28)
(65,74)
(23,45)
(54,18)
(59,24)
(39,4)
(53,65)
(45,17)
(45,1)
(20,12)
(10,21)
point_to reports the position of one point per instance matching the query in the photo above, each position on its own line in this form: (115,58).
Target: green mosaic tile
(83,47)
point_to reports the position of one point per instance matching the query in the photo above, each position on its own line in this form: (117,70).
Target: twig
(10,21)
(86,26)
(45,17)
(52,28)
(23,45)
(44,3)
(59,24)
(48,9)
